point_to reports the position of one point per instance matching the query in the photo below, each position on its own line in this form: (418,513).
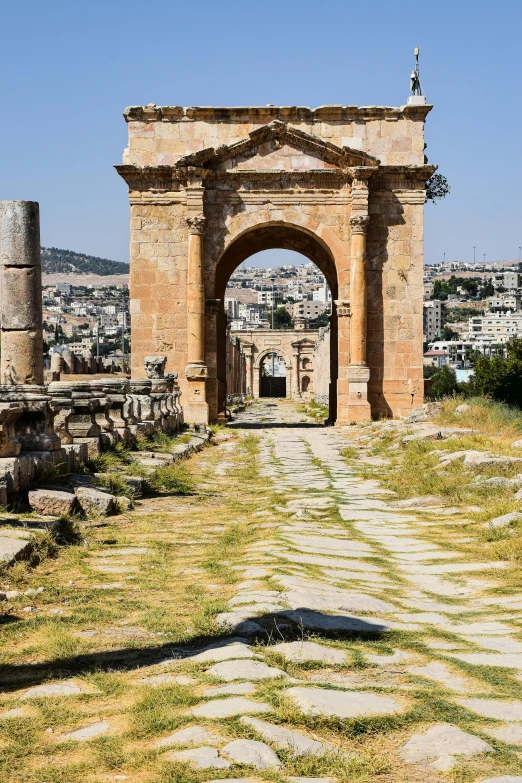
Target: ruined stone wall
(395,294)
(158,284)
(322,366)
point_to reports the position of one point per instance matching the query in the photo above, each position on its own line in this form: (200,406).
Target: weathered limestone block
(34,426)
(9,445)
(155,366)
(93,501)
(21,360)
(22,357)
(51,502)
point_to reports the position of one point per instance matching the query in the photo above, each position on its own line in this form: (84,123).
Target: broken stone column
(20,294)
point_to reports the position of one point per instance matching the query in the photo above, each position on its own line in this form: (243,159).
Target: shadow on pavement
(287,625)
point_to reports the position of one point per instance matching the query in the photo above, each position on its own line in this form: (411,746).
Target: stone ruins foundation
(45,425)
(343,185)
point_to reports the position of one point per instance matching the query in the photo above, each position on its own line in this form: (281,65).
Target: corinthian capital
(196,224)
(359,224)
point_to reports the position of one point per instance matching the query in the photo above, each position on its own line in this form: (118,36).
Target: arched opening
(272,376)
(305,384)
(256,240)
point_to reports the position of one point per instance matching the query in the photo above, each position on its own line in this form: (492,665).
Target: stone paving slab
(338,704)
(227,708)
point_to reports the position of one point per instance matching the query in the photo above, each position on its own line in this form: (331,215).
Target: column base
(358,408)
(196,410)
(196,413)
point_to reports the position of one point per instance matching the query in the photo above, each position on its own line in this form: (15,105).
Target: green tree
(437,188)
(282,318)
(499,378)
(450,334)
(444,383)
(323,319)
(429,370)
(486,290)
(439,291)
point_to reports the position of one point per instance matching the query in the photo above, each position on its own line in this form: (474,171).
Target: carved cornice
(416,175)
(149,177)
(279,133)
(153,113)
(170,180)
(196,224)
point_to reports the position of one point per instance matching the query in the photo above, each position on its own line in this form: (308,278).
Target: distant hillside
(56,261)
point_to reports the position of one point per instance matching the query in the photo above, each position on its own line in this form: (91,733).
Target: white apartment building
(507,300)
(307,309)
(268,298)
(495,327)
(512,280)
(455,350)
(251,312)
(433,311)
(322,294)
(231,307)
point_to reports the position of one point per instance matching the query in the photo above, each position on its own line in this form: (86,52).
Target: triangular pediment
(278,146)
(304,343)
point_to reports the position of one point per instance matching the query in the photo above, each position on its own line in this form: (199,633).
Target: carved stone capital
(342,308)
(196,372)
(359,224)
(196,224)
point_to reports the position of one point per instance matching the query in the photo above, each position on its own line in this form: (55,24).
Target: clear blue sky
(69,68)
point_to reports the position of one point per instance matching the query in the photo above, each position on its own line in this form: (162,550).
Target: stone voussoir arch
(245,229)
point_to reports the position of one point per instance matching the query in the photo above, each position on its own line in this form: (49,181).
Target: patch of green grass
(58,640)
(116,484)
(109,752)
(110,460)
(173,478)
(349,452)
(157,711)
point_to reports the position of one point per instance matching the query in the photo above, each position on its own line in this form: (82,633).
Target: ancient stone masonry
(20,293)
(62,422)
(321,366)
(297,348)
(343,185)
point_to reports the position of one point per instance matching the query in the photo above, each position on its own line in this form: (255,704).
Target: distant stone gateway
(343,185)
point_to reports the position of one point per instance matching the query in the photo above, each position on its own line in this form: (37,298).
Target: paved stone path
(358,642)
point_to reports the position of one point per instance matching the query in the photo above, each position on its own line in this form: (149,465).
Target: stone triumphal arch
(296,348)
(343,185)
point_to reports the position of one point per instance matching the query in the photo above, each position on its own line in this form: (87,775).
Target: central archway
(284,236)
